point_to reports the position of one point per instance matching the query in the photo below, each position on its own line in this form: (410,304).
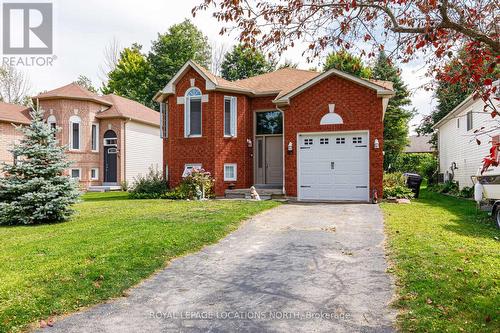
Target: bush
(124,185)
(449,187)
(150,186)
(423,164)
(395,186)
(198,184)
(467,192)
(174,194)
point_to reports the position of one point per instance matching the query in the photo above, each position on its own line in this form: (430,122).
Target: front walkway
(296,268)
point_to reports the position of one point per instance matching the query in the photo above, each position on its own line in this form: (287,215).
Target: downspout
(124,149)
(283,150)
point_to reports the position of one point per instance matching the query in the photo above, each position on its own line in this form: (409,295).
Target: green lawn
(447,264)
(110,245)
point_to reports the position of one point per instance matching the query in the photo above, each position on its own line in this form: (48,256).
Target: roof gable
(13,113)
(126,108)
(72,91)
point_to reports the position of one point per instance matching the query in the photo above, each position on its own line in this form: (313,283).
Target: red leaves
(420,44)
(488,82)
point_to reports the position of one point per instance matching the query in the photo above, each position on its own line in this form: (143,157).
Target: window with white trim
(230,115)
(230,172)
(188,168)
(51,120)
(340,141)
(74,132)
(95,137)
(357,139)
(94,174)
(75,173)
(308,142)
(192,113)
(324,141)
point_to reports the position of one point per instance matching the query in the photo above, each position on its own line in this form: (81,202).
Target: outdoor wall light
(376,144)
(249,143)
(290,147)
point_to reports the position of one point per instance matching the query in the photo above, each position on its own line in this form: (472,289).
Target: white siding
(143,148)
(456,144)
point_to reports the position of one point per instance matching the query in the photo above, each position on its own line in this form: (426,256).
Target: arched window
(74,132)
(192,113)
(51,120)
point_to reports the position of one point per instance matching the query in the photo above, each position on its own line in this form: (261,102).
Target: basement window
(230,172)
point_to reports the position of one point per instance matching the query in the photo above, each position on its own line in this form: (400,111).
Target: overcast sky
(82,29)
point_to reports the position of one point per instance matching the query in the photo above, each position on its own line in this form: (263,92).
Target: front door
(110,157)
(269,161)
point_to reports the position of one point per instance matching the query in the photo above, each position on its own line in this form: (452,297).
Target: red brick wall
(360,109)
(212,150)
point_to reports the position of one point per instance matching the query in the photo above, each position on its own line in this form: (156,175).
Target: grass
(446,258)
(110,245)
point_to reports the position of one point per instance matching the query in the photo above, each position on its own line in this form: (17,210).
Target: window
(469,120)
(188,168)
(52,123)
(230,116)
(357,140)
(74,136)
(230,172)
(323,141)
(95,137)
(270,122)
(75,174)
(340,141)
(94,174)
(308,142)
(192,113)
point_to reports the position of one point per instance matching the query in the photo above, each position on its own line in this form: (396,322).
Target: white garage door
(333,167)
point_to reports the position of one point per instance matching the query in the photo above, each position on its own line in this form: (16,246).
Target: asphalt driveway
(296,268)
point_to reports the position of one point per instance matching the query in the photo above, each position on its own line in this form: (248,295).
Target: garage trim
(299,134)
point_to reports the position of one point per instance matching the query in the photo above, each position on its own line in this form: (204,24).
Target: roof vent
(331,118)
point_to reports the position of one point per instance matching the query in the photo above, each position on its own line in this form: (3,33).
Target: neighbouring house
(460,157)
(11,115)
(313,136)
(110,139)
(419,144)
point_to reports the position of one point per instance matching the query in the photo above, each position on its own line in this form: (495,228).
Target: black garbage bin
(413,181)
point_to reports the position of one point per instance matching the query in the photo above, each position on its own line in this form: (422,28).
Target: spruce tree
(397,116)
(34,188)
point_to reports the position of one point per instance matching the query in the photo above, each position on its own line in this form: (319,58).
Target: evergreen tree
(242,63)
(35,189)
(346,62)
(397,116)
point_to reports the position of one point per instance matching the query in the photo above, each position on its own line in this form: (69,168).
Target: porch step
(104,188)
(264,193)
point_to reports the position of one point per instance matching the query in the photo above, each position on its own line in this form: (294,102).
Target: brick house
(310,135)
(11,115)
(109,138)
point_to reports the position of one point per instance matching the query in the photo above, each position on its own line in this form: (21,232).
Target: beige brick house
(10,116)
(109,138)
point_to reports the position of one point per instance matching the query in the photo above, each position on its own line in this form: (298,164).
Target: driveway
(296,268)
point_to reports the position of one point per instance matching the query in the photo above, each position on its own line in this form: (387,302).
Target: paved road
(296,268)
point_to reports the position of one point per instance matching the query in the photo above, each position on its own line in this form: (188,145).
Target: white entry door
(333,166)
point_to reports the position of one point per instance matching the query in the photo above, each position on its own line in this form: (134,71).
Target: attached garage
(333,166)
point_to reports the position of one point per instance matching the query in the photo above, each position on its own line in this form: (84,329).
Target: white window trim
(190,166)
(233,117)
(232,179)
(79,173)
(187,113)
(96,174)
(75,120)
(96,137)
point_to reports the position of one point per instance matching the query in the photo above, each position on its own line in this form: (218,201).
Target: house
(313,136)
(459,155)
(110,138)
(10,115)
(419,144)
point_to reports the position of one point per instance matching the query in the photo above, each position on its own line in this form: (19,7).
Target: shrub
(198,184)
(423,164)
(124,185)
(467,192)
(449,187)
(395,186)
(150,186)
(174,194)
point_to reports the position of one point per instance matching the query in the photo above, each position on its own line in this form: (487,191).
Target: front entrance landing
(296,268)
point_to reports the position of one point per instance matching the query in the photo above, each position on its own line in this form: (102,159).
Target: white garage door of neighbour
(333,167)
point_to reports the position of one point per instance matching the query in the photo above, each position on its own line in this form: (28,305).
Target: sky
(82,30)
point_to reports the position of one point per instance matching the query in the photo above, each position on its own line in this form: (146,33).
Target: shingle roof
(13,113)
(419,144)
(126,108)
(73,91)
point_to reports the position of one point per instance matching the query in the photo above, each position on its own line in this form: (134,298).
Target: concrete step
(104,188)
(265,194)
